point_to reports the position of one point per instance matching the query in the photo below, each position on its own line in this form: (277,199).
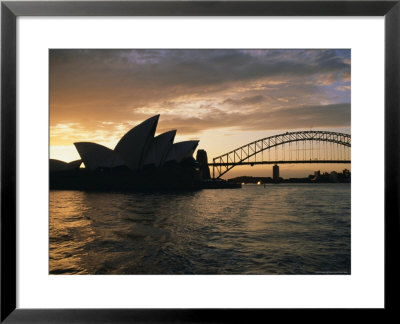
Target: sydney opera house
(139,160)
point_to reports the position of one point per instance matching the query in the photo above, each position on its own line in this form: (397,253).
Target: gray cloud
(138,72)
(195,90)
(324,116)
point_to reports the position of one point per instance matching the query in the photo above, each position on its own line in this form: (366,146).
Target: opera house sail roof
(181,150)
(159,149)
(138,148)
(140,161)
(57,165)
(135,143)
(96,156)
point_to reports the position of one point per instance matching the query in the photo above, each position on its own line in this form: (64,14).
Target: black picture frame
(10,10)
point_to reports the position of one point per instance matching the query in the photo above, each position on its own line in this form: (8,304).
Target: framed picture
(191,161)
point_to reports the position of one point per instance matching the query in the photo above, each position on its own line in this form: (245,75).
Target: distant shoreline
(310,179)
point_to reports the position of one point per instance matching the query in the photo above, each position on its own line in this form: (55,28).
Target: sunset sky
(224,98)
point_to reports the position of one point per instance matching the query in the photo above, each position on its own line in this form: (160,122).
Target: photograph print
(200,161)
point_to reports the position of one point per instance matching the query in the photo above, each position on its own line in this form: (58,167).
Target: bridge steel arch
(245,152)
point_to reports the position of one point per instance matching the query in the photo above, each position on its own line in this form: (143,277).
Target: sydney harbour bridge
(287,148)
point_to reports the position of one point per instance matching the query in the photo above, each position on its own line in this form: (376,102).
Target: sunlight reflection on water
(279,229)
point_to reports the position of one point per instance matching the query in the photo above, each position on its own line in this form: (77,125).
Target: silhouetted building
(138,160)
(95,156)
(275,173)
(159,149)
(180,151)
(317,175)
(134,145)
(202,158)
(58,166)
(137,149)
(333,176)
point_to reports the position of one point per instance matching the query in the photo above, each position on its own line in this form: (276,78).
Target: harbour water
(276,229)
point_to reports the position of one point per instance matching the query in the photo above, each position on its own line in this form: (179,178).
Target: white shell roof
(181,150)
(134,144)
(159,149)
(96,156)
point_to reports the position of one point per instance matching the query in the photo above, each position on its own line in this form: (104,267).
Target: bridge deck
(279,162)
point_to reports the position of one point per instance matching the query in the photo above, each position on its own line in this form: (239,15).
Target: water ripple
(279,229)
